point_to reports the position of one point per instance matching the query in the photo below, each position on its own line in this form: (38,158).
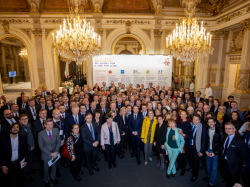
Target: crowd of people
(192,133)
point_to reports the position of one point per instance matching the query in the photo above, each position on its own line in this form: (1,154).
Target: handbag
(65,151)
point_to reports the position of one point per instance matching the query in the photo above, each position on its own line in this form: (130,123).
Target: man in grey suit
(49,142)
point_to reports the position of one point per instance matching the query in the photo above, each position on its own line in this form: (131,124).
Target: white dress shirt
(14,148)
(92,128)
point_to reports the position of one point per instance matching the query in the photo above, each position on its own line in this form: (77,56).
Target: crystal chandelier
(189,39)
(76,39)
(23,54)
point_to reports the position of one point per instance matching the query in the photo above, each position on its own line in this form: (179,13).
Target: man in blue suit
(92,108)
(75,118)
(63,114)
(44,91)
(135,125)
(119,103)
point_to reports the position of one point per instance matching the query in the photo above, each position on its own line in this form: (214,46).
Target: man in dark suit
(104,109)
(49,107)
(198,97)
(63,114)
(8,118)
(92,108)
(44,91)
(32,111)
(3,129)
(59,123)
(135,124)
(197,145)
(119,103)
(23,104)
(233,154)
(91,137)
(13,151)
(112,85)
(228,103)
(49,142)
(75,118)
(19,99)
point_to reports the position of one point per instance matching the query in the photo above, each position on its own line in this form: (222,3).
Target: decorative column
(37,34)
(157,36)
(243,77)
(3,64)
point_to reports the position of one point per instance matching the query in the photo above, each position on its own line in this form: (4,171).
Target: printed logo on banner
(148,72)
(167,62)
(160,71)
(110,72)
(122,71)
(136,72)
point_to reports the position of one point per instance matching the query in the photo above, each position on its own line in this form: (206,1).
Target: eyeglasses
(25,119)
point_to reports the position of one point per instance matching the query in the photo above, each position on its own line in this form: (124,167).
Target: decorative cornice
(16,21)
(99,31)
(233,15)
(245,24)
(234,58)
(167,32)
(5,26)
(216,35)
(108,31)
(37,32)
(27,31)
(244,71)
(137,22)
(212,8)
(128,26)
(148,32)
(53,21)
(158,33)
(47,31)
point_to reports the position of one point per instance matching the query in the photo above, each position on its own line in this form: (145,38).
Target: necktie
(143,114)
(76,121)
(225,149)
(23,106)
(135,117)
(43,123)
(50,137)
(11,121)
(197,99)
(34,112)
(92,133)
(194,127)
(123,119)
(119,106)
(63,116)
(103,111)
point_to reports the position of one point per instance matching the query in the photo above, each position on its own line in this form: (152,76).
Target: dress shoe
(65,166)
(138,161)
(132,155)
(114,165)
(110,165)
(78,179)
(193,179)
(202,168)
(28,179)
(96,168)
(125,150)
(189,169)
(182,172)
(120,156)
(55,182)
(81,172)
(58,174)
(173,175)
(91,172)
(83,165)
(178,168)
(168,176)
(206,178)
(47,184)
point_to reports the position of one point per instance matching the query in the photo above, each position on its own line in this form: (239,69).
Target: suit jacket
(87,137)
(65,115)
(20,107)
(49,112)
(6,150)
(135,125)
(203,139)
(69,121)
(29,113)
(240,113)
(212,110)
(4,129)
(47,147)
(122,105)
(90,111)
(227,105)
(60,127)
(19,100)
(107,110)
(42,93)
(105,135)
(123,127)
(99,124)
(236,154)
(201,99)
(37,127)
(4,121)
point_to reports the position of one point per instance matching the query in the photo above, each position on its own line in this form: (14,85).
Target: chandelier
(23,54)
(76,39)
(189,39)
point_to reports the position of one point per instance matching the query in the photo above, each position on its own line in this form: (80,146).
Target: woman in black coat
(97,118)
(159,140)
(122,122)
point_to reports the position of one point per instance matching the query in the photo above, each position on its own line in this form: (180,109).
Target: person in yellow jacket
(147,134)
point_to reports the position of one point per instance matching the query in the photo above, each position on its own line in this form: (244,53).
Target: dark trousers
(91,156)
(76,165)
(230,178)
(29,167)
(49,172)
(194,162)
(182,161)
(136,142)
(62,159)
(14,178)
(110,151)
(123,143)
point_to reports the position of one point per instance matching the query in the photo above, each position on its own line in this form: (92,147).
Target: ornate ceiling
(14,6)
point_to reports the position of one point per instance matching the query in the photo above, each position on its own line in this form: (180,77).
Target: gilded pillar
(157,37)
(3,64)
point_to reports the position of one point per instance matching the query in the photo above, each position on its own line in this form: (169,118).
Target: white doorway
(231,87)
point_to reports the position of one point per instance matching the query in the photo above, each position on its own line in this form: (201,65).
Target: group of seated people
(173,125)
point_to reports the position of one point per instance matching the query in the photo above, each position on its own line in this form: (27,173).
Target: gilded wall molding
(216,35)
(234,58)
(237,43)
(243,80)
(158,33)
(41,75)
(137,22)
(99,31)
(16,21)
(212,8)
(108,31)
(26,31)
(148,32)
(37,32)
(5,26)
(53,21)
(233,15)
(245,24)
(47,31)
(222,74)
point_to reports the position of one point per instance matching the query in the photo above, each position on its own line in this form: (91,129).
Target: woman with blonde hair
(147,134)
(173,146)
